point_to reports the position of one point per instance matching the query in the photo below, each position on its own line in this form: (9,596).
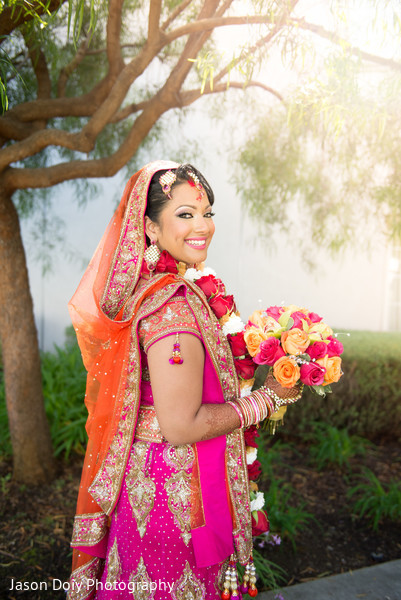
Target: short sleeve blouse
(175,316)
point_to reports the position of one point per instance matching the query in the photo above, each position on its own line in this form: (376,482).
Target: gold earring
(151,256)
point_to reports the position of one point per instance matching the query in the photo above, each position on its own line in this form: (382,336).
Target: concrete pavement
(380,582)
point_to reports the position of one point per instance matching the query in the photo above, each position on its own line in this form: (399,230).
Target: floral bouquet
(295,346)
(290,344)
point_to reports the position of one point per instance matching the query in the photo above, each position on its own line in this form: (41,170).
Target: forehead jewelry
(166,181)
(194,182)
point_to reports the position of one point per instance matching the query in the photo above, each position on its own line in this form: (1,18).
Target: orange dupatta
(96,310)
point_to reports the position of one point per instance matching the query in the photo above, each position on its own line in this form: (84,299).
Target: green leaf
(319,389)
(290,324)
(260,376)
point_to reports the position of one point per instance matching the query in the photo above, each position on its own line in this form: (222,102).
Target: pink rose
(270,350)
(317,350)
(274,311)
(334,347)
(260,524)
(221,305)
(210,285)
(297,316)
(314,317)
(312,374)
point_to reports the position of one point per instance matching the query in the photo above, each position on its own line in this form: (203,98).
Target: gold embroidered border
(89,530)
(220,352)
(79,588)
(127,259)
(107,482)
(147,428)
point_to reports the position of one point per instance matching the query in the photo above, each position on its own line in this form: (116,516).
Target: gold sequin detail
(113,567)
(141,583)
(140,487)
(188,587)
(178,487)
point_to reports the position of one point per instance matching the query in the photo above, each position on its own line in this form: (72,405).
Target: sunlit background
(359,288)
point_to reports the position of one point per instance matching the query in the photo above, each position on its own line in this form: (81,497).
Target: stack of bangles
(259,405)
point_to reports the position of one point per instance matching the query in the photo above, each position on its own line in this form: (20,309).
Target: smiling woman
(184,227)
(164,497)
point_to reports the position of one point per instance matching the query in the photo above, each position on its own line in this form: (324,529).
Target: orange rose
(294,341)
(253,336)
(332,364)
(286,371)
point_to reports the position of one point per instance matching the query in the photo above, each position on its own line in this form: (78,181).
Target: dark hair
(157,199)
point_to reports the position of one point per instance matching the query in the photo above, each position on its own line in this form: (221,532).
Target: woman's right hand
(287,395)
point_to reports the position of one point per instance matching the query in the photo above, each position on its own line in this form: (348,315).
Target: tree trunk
(30,436)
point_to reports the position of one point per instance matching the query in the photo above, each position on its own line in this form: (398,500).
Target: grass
(375,500)
(285,509)
(333,446)
(367,399)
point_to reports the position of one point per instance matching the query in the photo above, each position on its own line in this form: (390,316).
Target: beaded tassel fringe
(232,591)
(176,358)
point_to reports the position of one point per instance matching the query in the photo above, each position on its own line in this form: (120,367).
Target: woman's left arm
(177,394)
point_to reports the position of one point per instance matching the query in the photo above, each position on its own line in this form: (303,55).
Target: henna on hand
(220,419)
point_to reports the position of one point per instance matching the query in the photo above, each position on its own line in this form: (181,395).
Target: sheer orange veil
(96,310)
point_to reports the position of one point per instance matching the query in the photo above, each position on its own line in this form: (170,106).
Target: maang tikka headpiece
(194,182)
(166,181)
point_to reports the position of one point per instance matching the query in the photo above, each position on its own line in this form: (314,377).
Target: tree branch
(42,139)
(154,19)
(39,66)
(194,43)
(85,140)
(16,178)
(262,42)
(354,50)
(213,23)
(101,50)
(12,17)
(190,96)
(180,8)
(70,68)
(114,56)
(11,129)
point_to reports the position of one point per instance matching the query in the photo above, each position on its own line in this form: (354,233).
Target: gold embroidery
(175,315)
(127,260)
(107,482)
(219,581)
(178,487)
(113,567)
(141,583)
(141,489)
(83,580)
(89,529)
(188,587)
(147,428)
(220,353)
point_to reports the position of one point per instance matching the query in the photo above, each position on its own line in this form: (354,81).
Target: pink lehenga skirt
(150,554)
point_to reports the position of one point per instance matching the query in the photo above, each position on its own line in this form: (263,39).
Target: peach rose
(253,336)
(294,341)
(286,371)
(332,364)
(257,319)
